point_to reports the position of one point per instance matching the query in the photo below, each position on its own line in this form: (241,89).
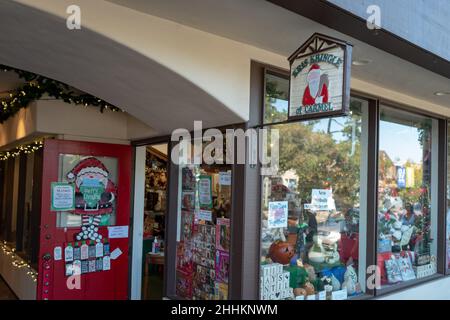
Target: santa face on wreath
(94,196)
(316,90)
(94,191)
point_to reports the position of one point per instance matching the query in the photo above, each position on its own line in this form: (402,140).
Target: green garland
(36,87)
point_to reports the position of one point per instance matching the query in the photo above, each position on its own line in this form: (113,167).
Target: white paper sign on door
(57,253)
(118,232)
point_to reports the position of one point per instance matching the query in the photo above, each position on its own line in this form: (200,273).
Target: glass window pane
(98,170)
(203,231)
(276,98)
(406,212)
(313,210)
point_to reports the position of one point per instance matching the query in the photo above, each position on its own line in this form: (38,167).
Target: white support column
(138,223)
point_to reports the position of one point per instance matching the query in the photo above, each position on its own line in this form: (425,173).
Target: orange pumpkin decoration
(281,252)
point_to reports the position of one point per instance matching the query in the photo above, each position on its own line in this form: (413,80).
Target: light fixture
(361,62)
(442,93)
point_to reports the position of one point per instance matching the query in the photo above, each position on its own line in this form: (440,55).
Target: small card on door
(116,253)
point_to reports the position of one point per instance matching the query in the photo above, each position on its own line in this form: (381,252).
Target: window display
(405,247)
(204,234)
(311,219)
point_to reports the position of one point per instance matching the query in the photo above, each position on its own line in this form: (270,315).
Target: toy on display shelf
(350,281)
(298,274)
(316,253)
(330,251)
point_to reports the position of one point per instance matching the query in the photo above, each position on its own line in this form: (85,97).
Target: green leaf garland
(36,87)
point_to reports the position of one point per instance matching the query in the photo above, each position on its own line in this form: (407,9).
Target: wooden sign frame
(317,44)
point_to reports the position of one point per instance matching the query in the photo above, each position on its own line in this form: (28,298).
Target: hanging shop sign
(63,197)
(320,78)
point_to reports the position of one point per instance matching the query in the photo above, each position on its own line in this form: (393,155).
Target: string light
(22,149)
(17,262)
(37,86)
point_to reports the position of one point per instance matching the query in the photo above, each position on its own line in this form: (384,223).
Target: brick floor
(5,292)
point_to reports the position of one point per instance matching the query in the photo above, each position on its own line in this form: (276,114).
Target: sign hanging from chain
(320,78)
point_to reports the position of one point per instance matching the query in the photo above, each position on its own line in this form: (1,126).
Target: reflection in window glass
(405,247)
(276,98)
(96,170)
(311,210)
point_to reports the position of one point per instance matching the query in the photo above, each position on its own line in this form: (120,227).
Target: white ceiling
(265,25)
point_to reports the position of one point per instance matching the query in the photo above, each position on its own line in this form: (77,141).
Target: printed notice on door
(63,197)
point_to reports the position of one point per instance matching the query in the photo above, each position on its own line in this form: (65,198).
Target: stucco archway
(38,41)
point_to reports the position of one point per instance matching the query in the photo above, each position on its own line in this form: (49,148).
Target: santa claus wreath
(95,195)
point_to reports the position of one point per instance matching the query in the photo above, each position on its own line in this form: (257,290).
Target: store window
(313,210)
(407,213)
(204,231)
(276,98)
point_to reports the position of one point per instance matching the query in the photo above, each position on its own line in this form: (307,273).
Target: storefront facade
(357,208)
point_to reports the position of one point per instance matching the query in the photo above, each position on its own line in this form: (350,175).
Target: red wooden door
(78,163)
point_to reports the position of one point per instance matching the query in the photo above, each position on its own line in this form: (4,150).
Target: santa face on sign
(316,90)
(94,191)
(95,194)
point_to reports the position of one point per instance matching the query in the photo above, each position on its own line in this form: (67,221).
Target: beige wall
(71,122)
(18,127)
